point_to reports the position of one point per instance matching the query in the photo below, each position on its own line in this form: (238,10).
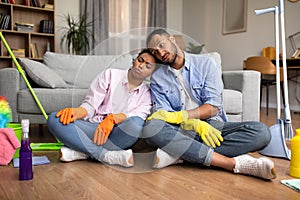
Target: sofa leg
(41,130)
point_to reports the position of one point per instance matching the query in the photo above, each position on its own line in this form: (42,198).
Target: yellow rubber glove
(105,127)
(210,135)
(170,117)
(69,115)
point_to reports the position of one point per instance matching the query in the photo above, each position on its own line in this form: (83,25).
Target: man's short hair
(157,32)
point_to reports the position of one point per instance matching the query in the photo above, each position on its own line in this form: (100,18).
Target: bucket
(18,131)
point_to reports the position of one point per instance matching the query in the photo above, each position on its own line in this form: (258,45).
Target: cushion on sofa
(51,99)
(80,71)
(41,74)
(214,55)
(233,101)
(233,104)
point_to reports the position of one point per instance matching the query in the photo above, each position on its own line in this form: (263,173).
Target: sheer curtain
(157,13)
(120,26)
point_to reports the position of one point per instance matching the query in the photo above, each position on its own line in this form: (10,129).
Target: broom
(34,146)
(287,113)
(277,146)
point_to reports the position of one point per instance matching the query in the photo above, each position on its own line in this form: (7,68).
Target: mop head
(5,112)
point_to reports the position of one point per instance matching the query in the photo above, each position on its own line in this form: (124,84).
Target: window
(127,22)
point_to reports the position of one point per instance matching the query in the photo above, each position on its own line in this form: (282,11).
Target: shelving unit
(22,13)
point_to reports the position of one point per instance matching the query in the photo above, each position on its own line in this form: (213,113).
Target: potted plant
(76,37)
(195,49)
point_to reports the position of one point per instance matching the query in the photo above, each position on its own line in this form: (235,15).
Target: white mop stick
(275,10)
(277,63)
(277,146)
(287,112)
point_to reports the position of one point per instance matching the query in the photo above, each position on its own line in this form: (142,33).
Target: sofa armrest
(10,84)
(248,83)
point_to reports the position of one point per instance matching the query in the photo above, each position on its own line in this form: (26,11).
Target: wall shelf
(28,15)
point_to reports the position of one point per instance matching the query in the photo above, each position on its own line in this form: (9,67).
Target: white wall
(63,8)
(174,14)
(260,31)
(195,27)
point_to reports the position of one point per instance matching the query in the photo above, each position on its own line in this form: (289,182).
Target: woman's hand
(68,115)
(100,137)
(104,129)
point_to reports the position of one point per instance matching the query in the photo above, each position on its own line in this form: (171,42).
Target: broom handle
(277,63)
(23,75)
(275,10)
(285,87)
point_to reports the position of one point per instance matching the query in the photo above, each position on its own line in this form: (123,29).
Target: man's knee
(152,128)
(263,133)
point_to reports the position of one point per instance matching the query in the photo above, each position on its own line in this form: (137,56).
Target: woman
(111,117)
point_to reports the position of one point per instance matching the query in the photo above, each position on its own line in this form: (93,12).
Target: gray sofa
(62,81)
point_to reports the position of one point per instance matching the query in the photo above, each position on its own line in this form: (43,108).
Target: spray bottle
(25,168)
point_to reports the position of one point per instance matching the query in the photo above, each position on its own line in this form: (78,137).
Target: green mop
(34,146)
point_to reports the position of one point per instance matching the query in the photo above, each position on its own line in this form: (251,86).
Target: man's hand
(69,115)
(106,126)
(170,117)
(209,135)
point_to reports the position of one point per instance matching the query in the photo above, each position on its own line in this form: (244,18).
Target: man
(190,123)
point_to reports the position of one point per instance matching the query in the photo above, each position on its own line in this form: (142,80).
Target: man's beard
(175,55)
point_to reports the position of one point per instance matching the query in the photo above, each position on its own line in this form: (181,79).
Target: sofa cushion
(51,99)
(80,71)
(41,74)
(233,101)
(216,56)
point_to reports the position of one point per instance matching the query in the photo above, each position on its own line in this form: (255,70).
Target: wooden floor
(92,180)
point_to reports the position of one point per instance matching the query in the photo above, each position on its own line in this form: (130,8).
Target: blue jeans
(239,138)
(79,135)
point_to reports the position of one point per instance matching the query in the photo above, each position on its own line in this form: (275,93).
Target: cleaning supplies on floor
(8,140)
(5,112)
(293,184)
(295,158)
(25,170)
(36,160)
(8,145)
